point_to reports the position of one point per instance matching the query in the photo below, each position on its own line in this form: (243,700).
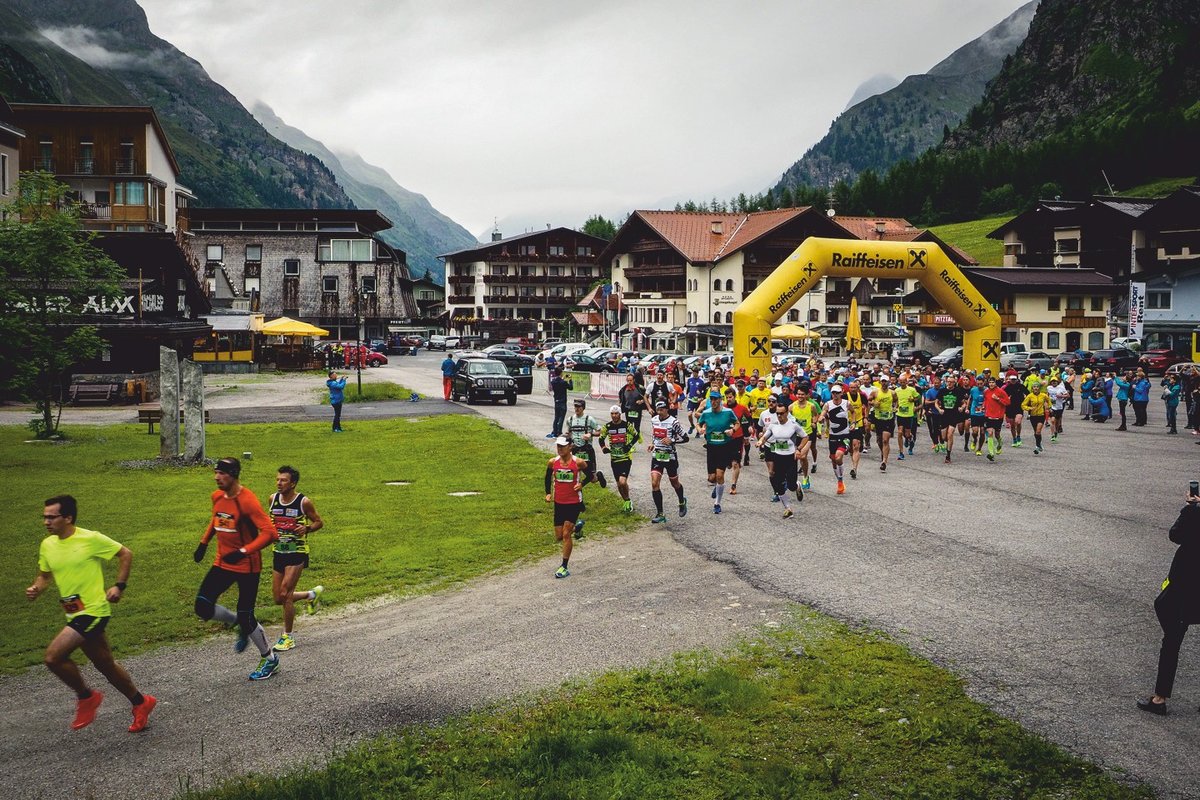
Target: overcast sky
(535,112)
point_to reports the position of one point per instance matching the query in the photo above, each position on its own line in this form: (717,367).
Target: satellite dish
(830,213)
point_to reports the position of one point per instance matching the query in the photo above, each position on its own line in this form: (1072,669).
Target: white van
(564,349)
(1009,350)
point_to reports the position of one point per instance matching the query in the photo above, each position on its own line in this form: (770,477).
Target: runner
(717,425)
(665,432)
(780,439)
(857,402)
(978,417)
(242,529)
(1016,396)
(1037,404)
(694,389)
(951,403)
(581,429)
(965,384)
(295,517)
(618,438)
(741,437)
(806,412)
(908,398)
(760,427)
(883,404)
(836,414)
(564,488)
(933,418)
(658,390)
(995,406)
(632,400)
(1060,396)
(760,395)
(71,557)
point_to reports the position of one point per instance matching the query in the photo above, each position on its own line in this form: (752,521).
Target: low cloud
(100,49)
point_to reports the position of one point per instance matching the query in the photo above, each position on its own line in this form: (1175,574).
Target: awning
(791,331)
(234,321)
(286,326)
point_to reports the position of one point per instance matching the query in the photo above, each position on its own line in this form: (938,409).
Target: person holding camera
(1178,604)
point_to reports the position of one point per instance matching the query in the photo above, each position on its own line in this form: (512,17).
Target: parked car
(478,379)
(520,368)
(1077,359)
(439,342)
(1181,367)
(950,358)
(1157,361)
(501,348)
(1118,359)
(585,363)
(1128,342)
(1034,359)
(1009,351)
(909,356)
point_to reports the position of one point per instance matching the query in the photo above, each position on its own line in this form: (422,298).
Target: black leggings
(1168,654)
(216,583)
(783,477)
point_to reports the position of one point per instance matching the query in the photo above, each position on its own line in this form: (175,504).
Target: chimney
(717,227)
(496,235)
(880,227)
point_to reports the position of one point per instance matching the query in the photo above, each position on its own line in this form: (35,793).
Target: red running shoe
(141,713)
(85,711)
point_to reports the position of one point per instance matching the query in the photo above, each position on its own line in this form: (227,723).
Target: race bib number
(662,455)
(633,414)
(564,476)
(716,438)
(779,447)
(72,604)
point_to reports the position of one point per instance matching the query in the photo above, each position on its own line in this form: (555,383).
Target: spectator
(447,377)
(1141,398)
(1171,394)
(1123,387)
(337,394)
(558,388)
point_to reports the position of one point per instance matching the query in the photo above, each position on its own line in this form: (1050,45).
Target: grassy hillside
(972,237)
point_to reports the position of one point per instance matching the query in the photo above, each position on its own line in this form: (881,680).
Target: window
(729,317)
(583,272)
(125,165)
(214,252)
(369,284)
(101,197)
(1054,303)
(85,164)
(291,268)
(1159,300)
(583,251)
(1097,304)
(426,294)
(1074,303)
(1052,341)
(501,269)
(1096,340)
(130,193)
(329,284)
(729,285)
(717,317)
(814,315)
(254,252)
(1035,340)
(45,158)
(717,285)
(1066,245)
(251,285)
(556,250)
(793,316)
(527,250)
(3,173)
(346,250)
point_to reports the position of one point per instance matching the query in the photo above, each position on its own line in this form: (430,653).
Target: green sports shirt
(75,564)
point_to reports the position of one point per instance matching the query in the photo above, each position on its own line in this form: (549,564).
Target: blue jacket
(337,390)
(1141,390)
(1123,388)
(448,367)
(1171,395)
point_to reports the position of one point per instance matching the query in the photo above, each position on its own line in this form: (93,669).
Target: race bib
(662,455)
(72,604)
(779,447)
(716,438)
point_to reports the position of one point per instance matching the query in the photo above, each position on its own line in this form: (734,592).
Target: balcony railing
(538,280)
(527,300)
(1078,321)
(95,211)
(125,166)
(85,166)
(43,165)
(461,299)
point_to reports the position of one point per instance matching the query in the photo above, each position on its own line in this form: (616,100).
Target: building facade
(509,285)
(116,160)
(10,152)
(326,267)
(1168,262)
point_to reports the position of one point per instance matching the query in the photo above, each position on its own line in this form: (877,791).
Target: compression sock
(259,637)
(783,498)
(657,495)
(1037,439)
(839,471)
(679,491)
(720,491)
(137,699)
(224,615)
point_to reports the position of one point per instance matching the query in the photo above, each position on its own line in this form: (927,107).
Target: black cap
(230,466)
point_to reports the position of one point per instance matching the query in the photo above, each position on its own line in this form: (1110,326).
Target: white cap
(562,441)
(614,409)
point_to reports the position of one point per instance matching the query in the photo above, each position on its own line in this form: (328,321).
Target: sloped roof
(596,242)
(1131,206)
(587,318)
(691,232)
(595,299)
(895,229)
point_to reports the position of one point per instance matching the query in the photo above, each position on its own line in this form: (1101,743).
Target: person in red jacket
(242,529)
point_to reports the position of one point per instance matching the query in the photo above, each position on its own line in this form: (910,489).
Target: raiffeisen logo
(788,295)
(865,261)
(957,289)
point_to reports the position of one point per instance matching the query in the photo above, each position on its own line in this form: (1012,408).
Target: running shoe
(717,508)
(286,642)
(242,642)
(733,488)
(978,452)
(603,481)
(841,487)
(901,456)
(562,572)
(883,466)
(813,469)
(774,498)
(267,667)
(551,436)
(991,457)
(947,458)
(853,474)
(141,713)
(683,507)
(627,506)
(714,493)
(788,514)
(999,446)
(85,710)
(659,518)
(1017,443)
(578,532)
(910,449)
(1037,450)
(1054,438)
(312,605)
(799,495)
(806,483)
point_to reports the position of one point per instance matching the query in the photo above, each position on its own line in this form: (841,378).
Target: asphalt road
(1032,578)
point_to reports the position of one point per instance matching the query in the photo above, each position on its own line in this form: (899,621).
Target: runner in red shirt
(995,403)
(564,488)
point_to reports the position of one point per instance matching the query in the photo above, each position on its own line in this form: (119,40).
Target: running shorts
(857,434)
(671,466)
(1056,413)
(908,423)
(1037,420)
(87,626)
(720,456)
(995,423)
(949,419)
(620,469)
(566,512)
(837,443)
(977,420)
(282,560)
(885,425)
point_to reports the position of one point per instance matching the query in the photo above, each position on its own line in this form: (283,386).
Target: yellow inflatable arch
(850,258)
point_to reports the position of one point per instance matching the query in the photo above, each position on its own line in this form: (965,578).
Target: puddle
(462,494)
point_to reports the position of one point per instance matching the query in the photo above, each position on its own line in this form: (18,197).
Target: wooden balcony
(655,271)
(664,295)
(461,299)
(1075,321)
(539,280)
(527,300)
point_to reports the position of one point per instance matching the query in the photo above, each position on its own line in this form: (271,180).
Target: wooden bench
(153,414)
(94,392)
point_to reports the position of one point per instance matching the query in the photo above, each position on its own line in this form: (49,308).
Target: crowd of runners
(790,422)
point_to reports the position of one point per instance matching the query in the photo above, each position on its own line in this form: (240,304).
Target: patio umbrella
(286,326)
(853,328)
(791,331)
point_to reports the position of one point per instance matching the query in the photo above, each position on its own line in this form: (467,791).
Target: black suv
(950,358)
(911,357)
(483,379)
(520,368)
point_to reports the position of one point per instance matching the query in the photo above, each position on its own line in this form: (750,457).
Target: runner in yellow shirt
(884,403)
(806,412)
(908,400)
(1036,406)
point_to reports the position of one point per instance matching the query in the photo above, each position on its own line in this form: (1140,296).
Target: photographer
(1178,604)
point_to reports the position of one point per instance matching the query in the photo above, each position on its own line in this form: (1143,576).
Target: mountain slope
(420,230)
(89,52)
(907,120)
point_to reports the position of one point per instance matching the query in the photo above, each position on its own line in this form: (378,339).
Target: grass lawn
(371,392)
(972,237)
(378,539)
(813,710)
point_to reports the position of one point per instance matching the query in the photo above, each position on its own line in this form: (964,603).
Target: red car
(1157,361)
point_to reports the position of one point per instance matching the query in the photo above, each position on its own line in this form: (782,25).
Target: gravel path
(1032,578)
